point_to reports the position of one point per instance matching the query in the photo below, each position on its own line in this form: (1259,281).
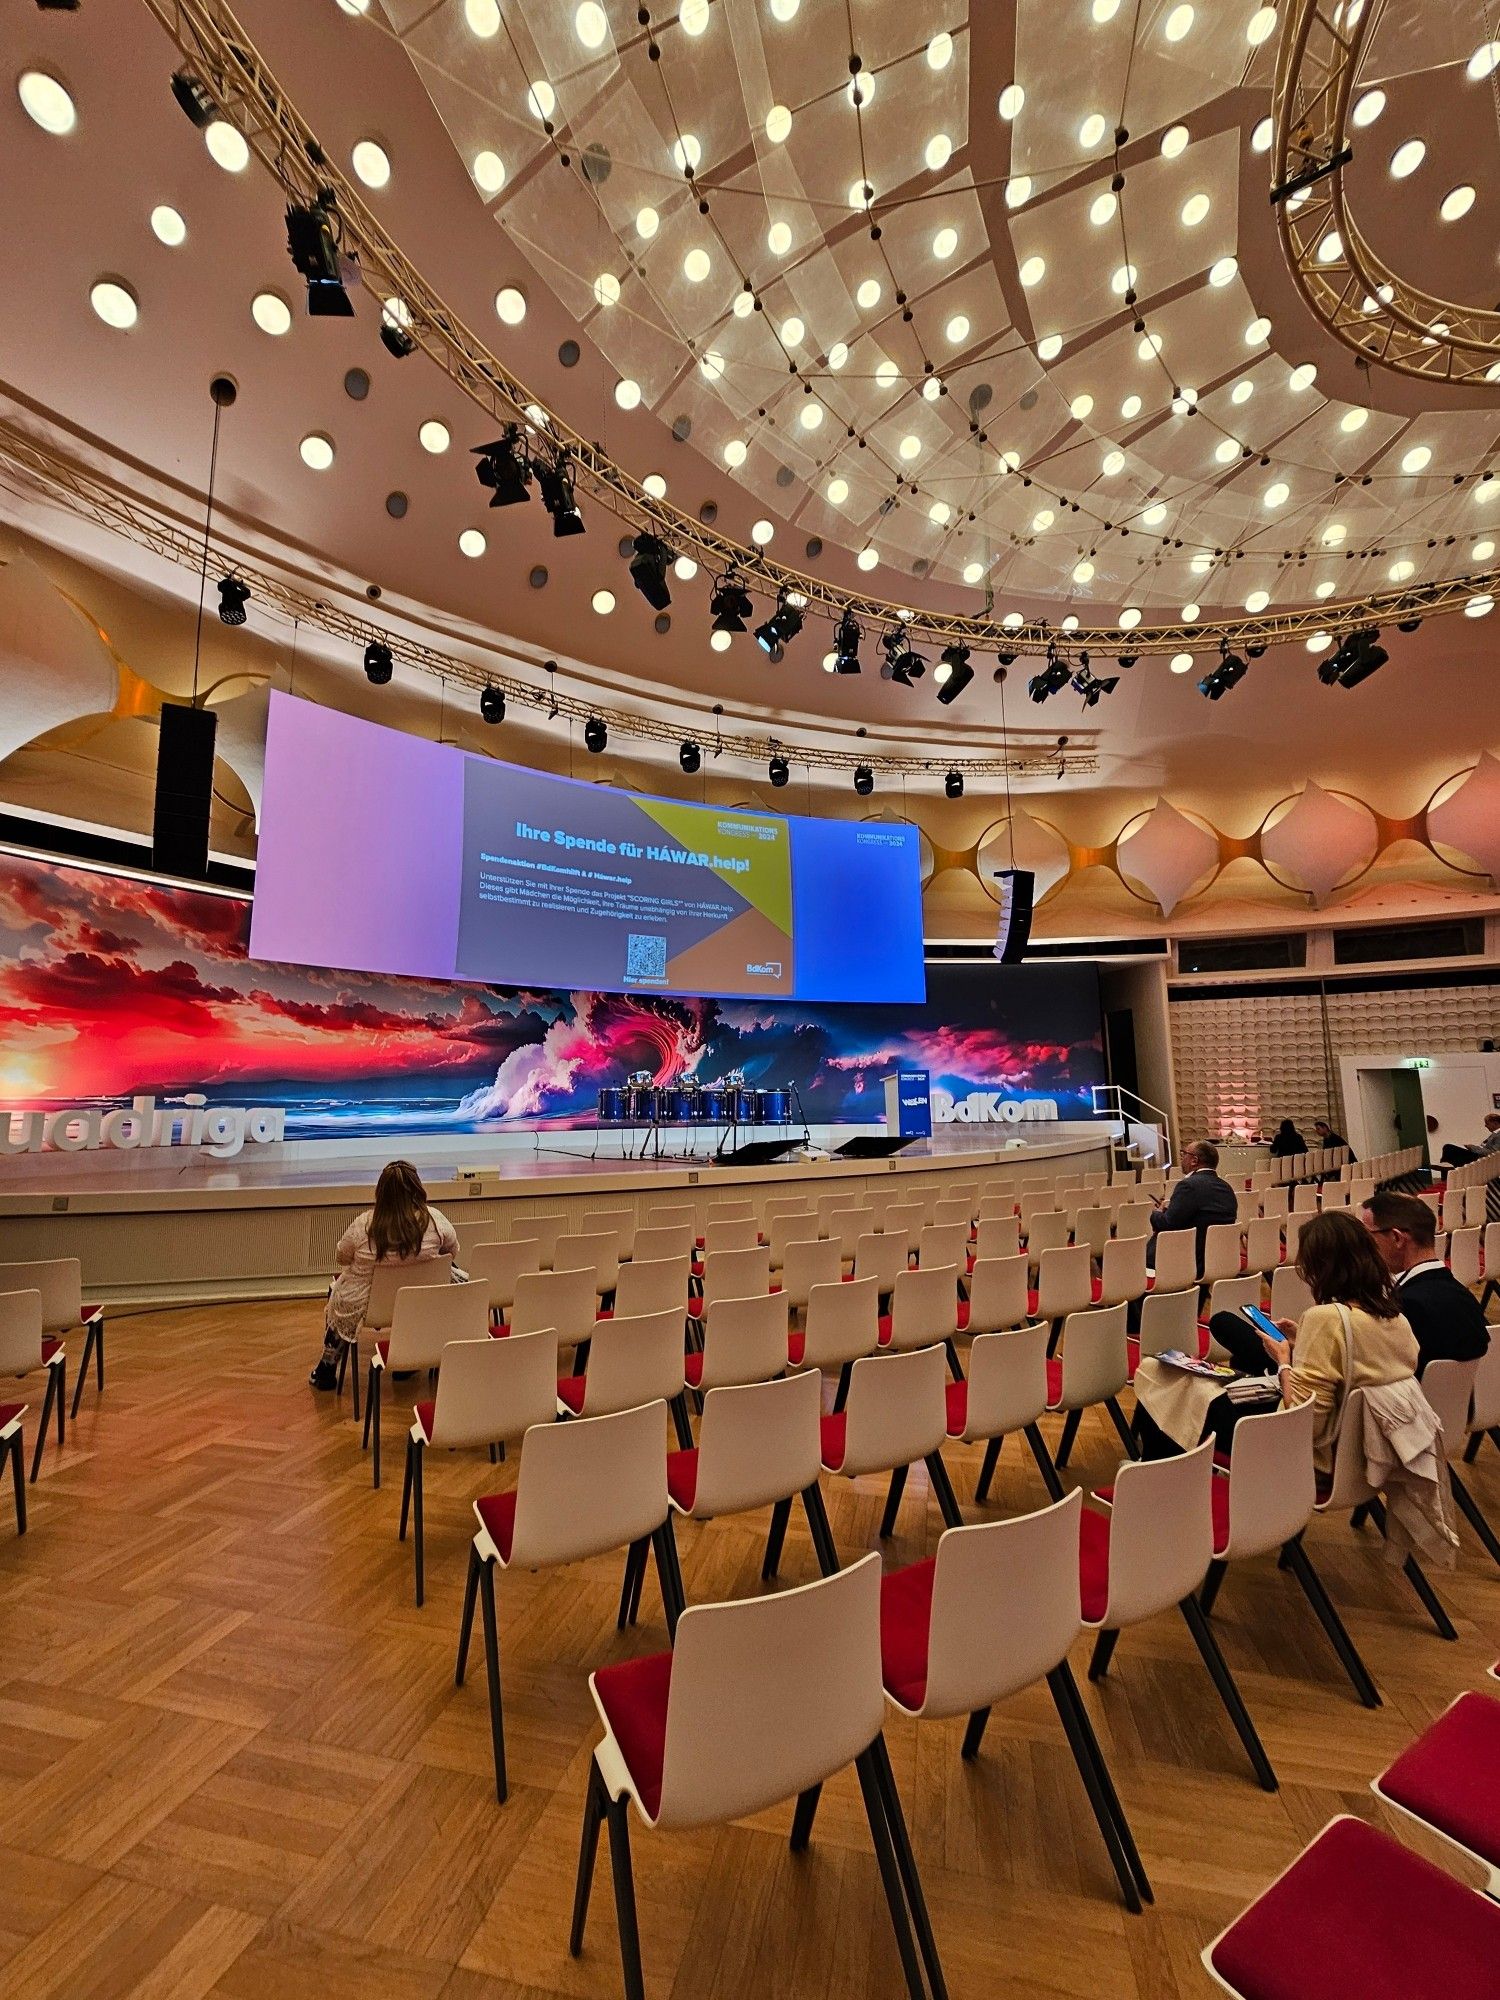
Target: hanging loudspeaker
(184,789)
(1013,931)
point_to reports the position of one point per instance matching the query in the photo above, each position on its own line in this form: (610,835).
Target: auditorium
(761,1258)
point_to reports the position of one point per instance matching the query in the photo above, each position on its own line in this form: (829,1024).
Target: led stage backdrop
(111,988)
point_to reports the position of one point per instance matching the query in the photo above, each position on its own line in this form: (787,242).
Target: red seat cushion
(905,1620)
(963,1315)
(1033,1299)
(833,1429)
(9,1412)
(424,1418)
(692,1367)
(633,1696)
(1357,1913)
(603,1314)
(883,1330)
(1450,1776)
(1096,1290)
(796,1347)
(695,1307)
(1219,1498)
(682,1477)
(498,1513)
(570,1390)
(1133,1354)
(383,1349)
(958,1408)
(1093,1564)
(89,1312)
(50,1345)
(1054,1384)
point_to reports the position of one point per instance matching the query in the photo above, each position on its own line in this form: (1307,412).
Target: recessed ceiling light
(1083,572)
(944,244)
(1260,138)
(1319,642)
(1121,280)
(1222,272)
(940,512)
(1456,202)
(1104,10)
(1368,108)
(317,451)
(778,124)
(489,172)
(471,543)
(1484,60)
(371,163)
(1032,271)
(1173,141)
(1257,600)
(647,222)
(628,393)
(736,452)
(1130,617)
(909,447)
(1225,450)
(761,533)
(1482,551)
(541,100)
(1334,534)
(692,16)
(932,388)
(957,329)
(1201,565)
(940,51)
(1155,514)
(1257,331)
(793,332)
(860,90)
(1081,406)
(868,294)
(1130,408)
(271,313)
(591,25)
(696,266)
(1102,207)
(1011,100)
(1486,490)
(1018,191)
(510,304)
(483,17)
(1276,494)
(114,302)
(779,239)
(861,194)
(1092,130)
(1242,392)
(606,289)
(974,572)
(684,569)
(1302,376)
(1049,346)
(168,226)
(1042,520)
(1354,419)
(1194,209)
(1261,27)
(938,151)
(887,374)
(1182,663)
(1331,248)
(838,354)
(1417,459)
(1407,157)
(686,153)
(1326,588)
(1479,607)
(1113,464)
(1178,22)
(1148,346)
(1189,614)
(354,6)
(434,436)
(721,641)
(838,492)
(227,146)
(603,602)
(45,102)
(810,416)
(1400,571)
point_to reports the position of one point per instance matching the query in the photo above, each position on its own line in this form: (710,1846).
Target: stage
(175,1226)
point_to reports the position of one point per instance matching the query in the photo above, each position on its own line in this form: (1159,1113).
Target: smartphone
(1263,1323)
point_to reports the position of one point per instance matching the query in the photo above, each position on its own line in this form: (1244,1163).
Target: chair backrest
(881,1256)
(808,1264)
(1095,1361)
(843,1322)
(786,1205)
(1221,1251)
(1290,1297)
(1122,1271)
(995,1208)
(1350,1487)
(1463,1255)
(598,1252)
(998,1293)
(897,1410)
(1227,1295)
(739,1659)
(1176,1259)
(1449,1388)
(1004,1607)
(564,1300)
(1091,1226)
(736,1274)
(1304,1200)
(1272,1484)
(1475,1208)
(1273,1201)
(60,1282)
(737,1232)
(744,1340)
(1161,1536)
(498,1265)
(943,1243)
(741,1209)
(21,1324)
(634,1361)
(489,1390)
(758,1443)
(1034,1203)
(799,1226)
(665,1215)
(599,1483)
(1007,1382)
(847,1225)
(997,1236)
(1169,1319)
(616,1222)
(1291,1231)
(923,1306)
(1047,1230)
(1263,1243)
(1065,1284)
(1133,1218)
(540,1229)
(397,1274)
(652,1287)
(664,1239)
(426,1317)
(949,1209)
(904,1219)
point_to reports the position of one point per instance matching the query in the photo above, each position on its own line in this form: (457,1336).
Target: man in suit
(1445,1316)
(1198,1199)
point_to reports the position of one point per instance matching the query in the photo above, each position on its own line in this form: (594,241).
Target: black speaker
(1013,931)
(870,1146)
(758,1152)
(184,789)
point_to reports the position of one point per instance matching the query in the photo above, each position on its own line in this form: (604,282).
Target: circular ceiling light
(1092,130)
(1174,141)
(868,294)
(489,172)
(1319,642)
(317,451)
(1257,331)
(1011,100)
(838,491)
(1225,450)
(434,436)
(887,374)
(603,602)
(510,305)
(686,153)
(1121,280)
(1194,209)
(838,354)
(371,163)
(1276,494)
(785,10)
(1260,138)
(227,146)
(45,102)
(1178,23)
(1148,347)
(744,304)
(647,222)
(1114,464)
(1456,202)
(1155,514)
(271,313)
(1018,191)
(471,543)
(696,266)
(1302,376)
(590,24)
(910,447)
(778,124)
(861,194)
(606,289)
(793,332)
(1407,157)
(1222,272)
(1417,459)
(1032,271)
(114,302)
(483,18)
(1104,10)
(974,572)
(761,533)
(541,100)
(1130,408)
(1479,607)
(684,569)
(1334,534)
(1102,207)
(628,393)
(354,6)
(1130,617)
(944,244)
(1400,571)
(1257,601)
(1189,616)
(1482,551)
(1182,663)
(1082,406)
(860,90)
(1049,346)
(932,388)
(1261,27)
(1368,108)
(1042,520)
(1242,392)
(692,16)
(940,51)
(940,512)
(735,453)
(938,152)
(1083,572)
(779,239)
(1331,248)
(168,227)
(1484,61)
(1326,588)
(810,416)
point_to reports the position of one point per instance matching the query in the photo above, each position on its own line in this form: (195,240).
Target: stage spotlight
(1091,687)
(504,467)
(312,241)
(379,664)
(233,597)
(1052,679)
(396,340)
(595,735)
(194,98)
(952,673)
(901,663)
(556,484)
(1364,656)
(729,605)
(492,704)
(953,784)
(779,771)
(783,625)
(1007,659)
(689,756)
(864,780)
(1230,671)
(1127,660)
(648,570)
(1408,624)
(846,638)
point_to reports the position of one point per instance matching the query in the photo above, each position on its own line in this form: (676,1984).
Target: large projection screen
(382,852)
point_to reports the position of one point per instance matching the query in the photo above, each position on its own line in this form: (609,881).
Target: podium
(908,1104)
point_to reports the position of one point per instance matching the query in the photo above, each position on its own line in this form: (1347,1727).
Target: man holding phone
(1199,1198)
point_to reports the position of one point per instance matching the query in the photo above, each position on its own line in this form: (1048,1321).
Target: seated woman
(1354,1336)
(1287,1140)
(399,1229)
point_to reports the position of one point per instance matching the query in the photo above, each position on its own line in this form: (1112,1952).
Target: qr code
(645,956)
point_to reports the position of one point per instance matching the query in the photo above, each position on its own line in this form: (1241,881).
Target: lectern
(908,1104)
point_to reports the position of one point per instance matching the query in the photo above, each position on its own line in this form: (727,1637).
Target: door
(1408,1110)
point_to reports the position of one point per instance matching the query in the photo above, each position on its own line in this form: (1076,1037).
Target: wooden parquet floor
(234,1762)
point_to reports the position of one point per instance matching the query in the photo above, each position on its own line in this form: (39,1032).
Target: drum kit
(725,1108)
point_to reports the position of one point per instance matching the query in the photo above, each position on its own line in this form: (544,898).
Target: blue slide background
(857,910)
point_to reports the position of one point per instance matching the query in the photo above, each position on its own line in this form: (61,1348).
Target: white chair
(843,1324)
(999,1295)
(896,1413)
(1094,1368)
(1149,1552)
(651,1287)
(23,1348)
(1047,1230)
(582,1489)
(995,1611)
(953,1209)
(667,1215)
(798,1227)
(1274,1201)
(1168,1320)
(390,1276)
(923,1310)
(1484,1417)
(616,1222)
(1223,1252)
(497,1266)
(1065,1284)
(424,1319)
(543,1230)
(565,1301)
(1006,1391)
(1091,1227)
(631,1361)
(847,1226)
(1175,1264)
(1263,1244)
(488,1392)
(744,1340)
(808,1264)
(904,1219)
(11,1438)
(60,1282)
(667,1752)
(1449,1388)
(997,1236)
(598,1252)
(733,1274)
(664,1239)
(943,1243)
(1463,1256)
(1122,1272)
(1290,1297)
(738,1232)
(738,1209)
(881,1256)
(1228,1295)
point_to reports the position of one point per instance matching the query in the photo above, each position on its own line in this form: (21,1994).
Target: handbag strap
(1348,1325)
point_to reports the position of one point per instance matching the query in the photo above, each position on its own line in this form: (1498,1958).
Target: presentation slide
(382,852)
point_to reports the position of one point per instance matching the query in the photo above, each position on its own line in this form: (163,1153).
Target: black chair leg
(987,1470)
(405,1493)
(616,1814)
(1085,1756)
(1416,1576)
(635,1559)
(341,1369)
(352,1350)
(780,1515)
(588,1850)
(892,1502)
(906,1865)
(62,1400)
(1229,1694)
(372,1413)
(1470,1509)
(90,1336)
(1127,1436)
(1044,1463)
(955,1368)
(1359,1515)
(824,1547)
(1300,1564)
(1471,1449)
(466,1622)
(890,1874)
(41,1429)
(1103,1653)
(942,1486)
(803,1817)
(1091,1744)
(1208,1596)
(1070,1431)
(18,1479)
(98,1325)
(669,1575)
(492,1669)
(974,1734)
(639,1585)
(419,1548)
(680,1420)
(841,1394)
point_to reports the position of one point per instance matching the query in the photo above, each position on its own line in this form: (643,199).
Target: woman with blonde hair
(400,1229)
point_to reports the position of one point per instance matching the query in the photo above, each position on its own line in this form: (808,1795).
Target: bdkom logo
(77,1128)
(989,1107)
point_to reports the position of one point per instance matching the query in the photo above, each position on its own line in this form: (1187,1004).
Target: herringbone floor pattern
(233,1760)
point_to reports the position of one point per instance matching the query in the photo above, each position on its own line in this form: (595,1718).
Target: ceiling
(1035,484)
